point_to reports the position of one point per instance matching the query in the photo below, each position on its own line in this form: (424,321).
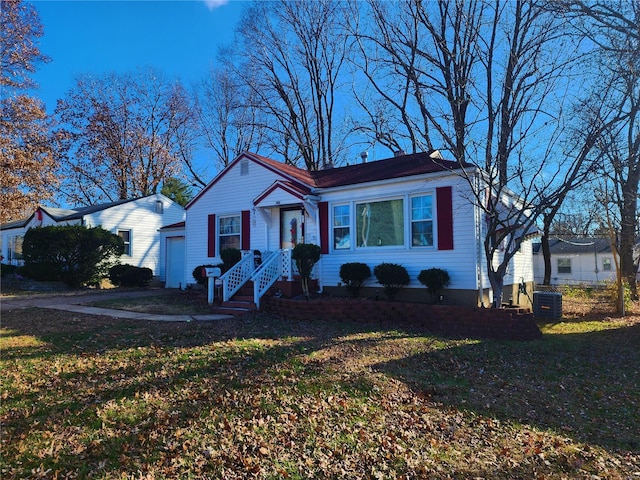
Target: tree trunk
(546,255)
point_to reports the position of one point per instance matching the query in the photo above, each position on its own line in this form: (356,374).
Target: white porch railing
(236,276)
(266,275)
(276,265)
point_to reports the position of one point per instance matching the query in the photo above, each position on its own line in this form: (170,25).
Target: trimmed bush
(116,272)
(130,276)
(229,256)
(199,277)
(6,270)
(75,254)
(137,277)
(306,255)
(392,277)
(353,275)
(435,279)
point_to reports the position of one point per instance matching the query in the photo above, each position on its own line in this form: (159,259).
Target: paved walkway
(77,302)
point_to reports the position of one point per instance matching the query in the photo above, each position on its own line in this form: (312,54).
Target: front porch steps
(241,303)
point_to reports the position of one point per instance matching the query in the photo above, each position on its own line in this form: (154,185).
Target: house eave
(427,177)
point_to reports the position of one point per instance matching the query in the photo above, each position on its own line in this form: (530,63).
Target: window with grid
(125,235)
(229,232)
(564,265)
(422,221)
(341,227)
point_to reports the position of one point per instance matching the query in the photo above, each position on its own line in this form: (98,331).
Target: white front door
(291,227)
(174,277)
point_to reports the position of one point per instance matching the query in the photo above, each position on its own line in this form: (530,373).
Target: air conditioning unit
(547,305)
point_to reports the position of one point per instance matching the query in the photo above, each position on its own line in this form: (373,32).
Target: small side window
(564,265)
(341,228)
(125,235)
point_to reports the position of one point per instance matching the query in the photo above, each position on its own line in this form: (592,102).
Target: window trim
(406,200)
(12,254)
(432,220)
(349,226)
(404,223)
(219,233)
(562,270)
(128,245)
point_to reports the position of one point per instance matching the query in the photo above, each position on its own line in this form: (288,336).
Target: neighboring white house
(137,221)
(413,210)
(576,261)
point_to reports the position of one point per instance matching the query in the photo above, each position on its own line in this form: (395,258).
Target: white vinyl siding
(139,217)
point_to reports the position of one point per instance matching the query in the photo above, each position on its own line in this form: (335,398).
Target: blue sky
(179,38)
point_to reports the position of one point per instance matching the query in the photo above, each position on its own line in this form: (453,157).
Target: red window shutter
(246,230)
(323,210)
(444,211)
(211,236)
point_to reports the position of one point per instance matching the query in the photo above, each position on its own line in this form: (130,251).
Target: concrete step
(239,305)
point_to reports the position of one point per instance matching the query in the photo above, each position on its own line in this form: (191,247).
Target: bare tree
(614,28)
(228,117)
(27,158)
(488,82)
(124,134)
(291,55)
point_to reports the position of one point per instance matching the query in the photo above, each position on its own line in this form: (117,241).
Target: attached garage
(173,243)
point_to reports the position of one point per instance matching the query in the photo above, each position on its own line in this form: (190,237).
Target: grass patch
(165,303)
(96,397)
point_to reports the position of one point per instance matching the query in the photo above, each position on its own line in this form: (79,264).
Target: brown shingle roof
(395,167)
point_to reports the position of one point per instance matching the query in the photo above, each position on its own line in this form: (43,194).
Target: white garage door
(175,262)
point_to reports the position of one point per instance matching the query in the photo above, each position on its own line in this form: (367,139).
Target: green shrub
(75,254)
(229,256)
(130,276)
(435,279)
(353,275)
(198,274)
(116,272)
(42,272)
(392,277)
(7,270)
(306,255)
(137,277)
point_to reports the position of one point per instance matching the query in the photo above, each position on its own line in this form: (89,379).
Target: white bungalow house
(414,210)
(136,220)
(577,261)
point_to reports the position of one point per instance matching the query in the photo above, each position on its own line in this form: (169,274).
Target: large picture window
(422,221)
(380,224)
(229,232)
(341,227)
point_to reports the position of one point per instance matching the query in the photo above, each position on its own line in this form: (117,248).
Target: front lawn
(95,397)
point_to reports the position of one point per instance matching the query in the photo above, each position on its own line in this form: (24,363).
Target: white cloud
(212,4)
